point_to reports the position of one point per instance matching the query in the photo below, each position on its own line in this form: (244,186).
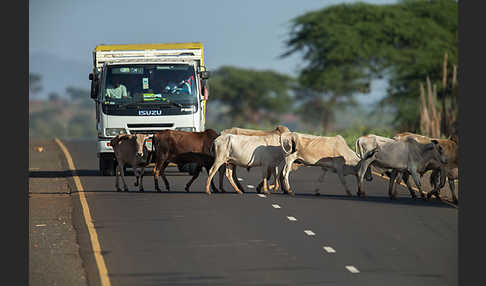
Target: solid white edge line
(261,195)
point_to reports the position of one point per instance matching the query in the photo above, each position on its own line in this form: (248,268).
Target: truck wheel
(107,166)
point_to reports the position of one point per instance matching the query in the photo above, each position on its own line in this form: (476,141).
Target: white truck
(145,88)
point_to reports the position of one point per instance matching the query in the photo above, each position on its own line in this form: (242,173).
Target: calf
(199,160)
(131,150)
(329,153)
(451,153)
(246,151)
(408,156)
(168,144)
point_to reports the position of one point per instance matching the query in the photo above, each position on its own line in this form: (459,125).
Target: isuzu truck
(145,88)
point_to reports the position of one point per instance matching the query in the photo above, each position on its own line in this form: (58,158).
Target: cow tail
(283,145)
(358,150)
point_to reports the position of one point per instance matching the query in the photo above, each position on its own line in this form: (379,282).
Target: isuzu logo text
(150,112)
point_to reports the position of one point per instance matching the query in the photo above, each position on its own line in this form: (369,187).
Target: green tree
(251,94)
(346,46)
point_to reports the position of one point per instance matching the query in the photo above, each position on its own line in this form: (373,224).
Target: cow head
(438,152)
(140,139)
(281,129)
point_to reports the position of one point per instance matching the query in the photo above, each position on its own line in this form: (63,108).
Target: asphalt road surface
(180,238)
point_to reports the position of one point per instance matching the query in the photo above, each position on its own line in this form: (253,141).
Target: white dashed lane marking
(276,206)
(352,269)
(261,195)
(329,249)
(309,232)
(250,186)
(240,179)
(291,218)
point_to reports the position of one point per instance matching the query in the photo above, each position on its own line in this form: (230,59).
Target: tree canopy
(346,46)
(250,93)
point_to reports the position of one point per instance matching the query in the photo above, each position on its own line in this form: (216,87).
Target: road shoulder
(54,257)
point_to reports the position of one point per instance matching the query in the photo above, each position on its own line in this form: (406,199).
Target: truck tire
(107,165)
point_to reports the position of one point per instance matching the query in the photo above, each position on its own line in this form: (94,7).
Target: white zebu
(247,151)
(329,153)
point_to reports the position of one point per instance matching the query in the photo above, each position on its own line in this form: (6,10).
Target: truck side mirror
(204,74)
(94,89)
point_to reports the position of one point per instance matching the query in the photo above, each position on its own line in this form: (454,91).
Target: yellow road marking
(95,244)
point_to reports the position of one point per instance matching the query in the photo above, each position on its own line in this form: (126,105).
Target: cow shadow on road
(90,173)
(377,199)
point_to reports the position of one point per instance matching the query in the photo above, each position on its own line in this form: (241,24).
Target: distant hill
(58,73)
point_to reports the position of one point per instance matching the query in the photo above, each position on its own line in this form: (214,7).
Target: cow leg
(267,176)
(229,175)
(405,178)
(222,172)
(416,180)
(125,188)
(162,174)
(452,187)
(194,177)
(142,170)
(235,179)
(391,183)
(211,174)
(286,171)
(157,166)
(276,176)
(340,173)
(117,174)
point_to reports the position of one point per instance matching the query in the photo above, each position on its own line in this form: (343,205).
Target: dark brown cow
(169,144)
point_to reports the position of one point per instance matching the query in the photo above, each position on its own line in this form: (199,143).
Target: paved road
(181,238)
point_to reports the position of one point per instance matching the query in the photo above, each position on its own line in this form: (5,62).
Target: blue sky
(250,34)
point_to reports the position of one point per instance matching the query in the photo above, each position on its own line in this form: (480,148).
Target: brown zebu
(131,150)
(169,144)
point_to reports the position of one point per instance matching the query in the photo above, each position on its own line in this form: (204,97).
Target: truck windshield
(146,84)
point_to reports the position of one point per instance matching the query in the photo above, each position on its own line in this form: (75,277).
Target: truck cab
(144,89)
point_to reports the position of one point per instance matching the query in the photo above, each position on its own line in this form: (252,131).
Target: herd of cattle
(280,151)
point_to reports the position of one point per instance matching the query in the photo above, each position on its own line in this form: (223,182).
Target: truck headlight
(115,131)
(190,129)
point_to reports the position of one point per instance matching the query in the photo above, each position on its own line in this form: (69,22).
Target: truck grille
(144,131)
(149,125)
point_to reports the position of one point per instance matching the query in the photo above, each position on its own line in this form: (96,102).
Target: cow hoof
(291,193)
(187,190)
(141,190)
(135,184)
(455,201)
(258,190)
(357,194)
(126,189)
(118,189)
(158,190)
(223,190)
